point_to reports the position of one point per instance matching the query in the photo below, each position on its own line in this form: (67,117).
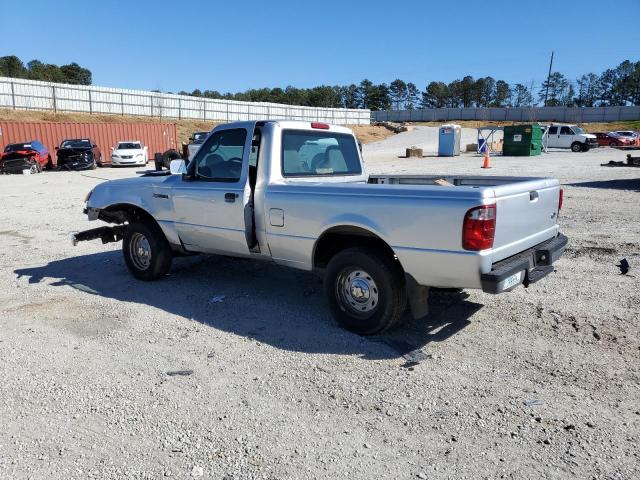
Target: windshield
(200,137)
(129,146)
(14,147)
(306,153)
(577,130)
(75,144)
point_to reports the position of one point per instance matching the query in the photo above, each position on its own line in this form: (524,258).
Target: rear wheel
(365,290)
(613,143)
(146,251)
(576,147)
(49,163)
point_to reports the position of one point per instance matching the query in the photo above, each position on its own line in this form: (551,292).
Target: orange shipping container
(158,137)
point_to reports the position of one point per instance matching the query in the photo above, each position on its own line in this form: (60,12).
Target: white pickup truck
(296,193)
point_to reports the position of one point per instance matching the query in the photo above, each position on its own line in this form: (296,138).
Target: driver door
(209,201)
(565,138)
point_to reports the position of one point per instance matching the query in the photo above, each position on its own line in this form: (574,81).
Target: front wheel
(576,147)
(146,251)
(365,290)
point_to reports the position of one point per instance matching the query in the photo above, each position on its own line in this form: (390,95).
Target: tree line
(614,87)
(12,66)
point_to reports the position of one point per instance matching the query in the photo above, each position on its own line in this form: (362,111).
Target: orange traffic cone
(486,164)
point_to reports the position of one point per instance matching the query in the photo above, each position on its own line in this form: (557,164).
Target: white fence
(515,114)
(20,94)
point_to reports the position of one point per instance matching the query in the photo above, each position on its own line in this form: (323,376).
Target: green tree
(412,96)
(75,74)
(398,93)
(12,66)
(503,94)
(588,90)
(436,95)
(521,96)
(557,85)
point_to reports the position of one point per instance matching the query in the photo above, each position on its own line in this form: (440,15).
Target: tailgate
(526,215)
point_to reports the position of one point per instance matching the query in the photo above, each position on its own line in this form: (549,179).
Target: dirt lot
(537,383)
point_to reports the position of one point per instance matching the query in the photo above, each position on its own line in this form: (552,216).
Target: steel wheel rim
(34,168)
(357,292)
(140,251)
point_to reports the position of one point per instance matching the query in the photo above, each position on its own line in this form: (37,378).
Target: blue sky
(236,45)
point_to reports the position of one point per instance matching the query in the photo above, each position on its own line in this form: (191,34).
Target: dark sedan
(78,154)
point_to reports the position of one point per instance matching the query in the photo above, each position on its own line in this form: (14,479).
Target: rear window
(306,153)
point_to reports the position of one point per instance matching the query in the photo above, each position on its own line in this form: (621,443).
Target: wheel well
(125,212)
(340,238)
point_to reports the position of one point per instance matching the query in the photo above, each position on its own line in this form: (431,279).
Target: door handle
(230,197)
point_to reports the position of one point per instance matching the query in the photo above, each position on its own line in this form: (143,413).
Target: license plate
(511,281)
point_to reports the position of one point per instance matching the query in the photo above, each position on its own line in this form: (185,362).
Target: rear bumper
(524,268)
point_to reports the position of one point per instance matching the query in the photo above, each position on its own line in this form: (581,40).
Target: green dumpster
(522,140)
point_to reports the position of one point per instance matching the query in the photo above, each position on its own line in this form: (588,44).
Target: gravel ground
(103,376)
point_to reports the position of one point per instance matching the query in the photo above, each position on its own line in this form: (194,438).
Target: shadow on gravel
(275,305)
(622,184)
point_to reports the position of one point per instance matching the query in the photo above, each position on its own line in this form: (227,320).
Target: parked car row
(71,154)
(621,138)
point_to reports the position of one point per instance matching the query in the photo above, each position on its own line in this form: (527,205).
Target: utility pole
(548,77)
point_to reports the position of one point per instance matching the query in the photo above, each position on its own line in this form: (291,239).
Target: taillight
(479,228)
(322,126)
(560,199)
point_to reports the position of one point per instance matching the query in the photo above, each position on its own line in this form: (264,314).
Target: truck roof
(294,124)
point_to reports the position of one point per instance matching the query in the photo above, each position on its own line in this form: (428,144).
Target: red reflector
(561,199)
(323,126)
(479,228)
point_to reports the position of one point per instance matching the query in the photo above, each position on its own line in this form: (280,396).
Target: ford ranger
(296,193)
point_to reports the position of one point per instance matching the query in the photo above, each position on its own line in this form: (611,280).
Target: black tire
(382,277)
(159,251)
(576,147)
(49,163)
(613,143)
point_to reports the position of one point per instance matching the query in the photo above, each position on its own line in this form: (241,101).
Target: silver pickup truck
(296,193)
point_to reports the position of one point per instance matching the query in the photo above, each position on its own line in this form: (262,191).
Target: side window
(553,130)
(220,158)
(566,131)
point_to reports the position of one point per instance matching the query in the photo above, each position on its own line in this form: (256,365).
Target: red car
(32,156)
(612,139)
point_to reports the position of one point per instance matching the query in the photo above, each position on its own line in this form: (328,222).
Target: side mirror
(191,139)
(146,148)
(56,148)
(112,149)
(177,167)
(93,145)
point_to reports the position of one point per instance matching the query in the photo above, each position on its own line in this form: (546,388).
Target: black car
(78,154)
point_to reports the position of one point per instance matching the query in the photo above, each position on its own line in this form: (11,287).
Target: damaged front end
(18,162)
(75,159)
(106,234)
